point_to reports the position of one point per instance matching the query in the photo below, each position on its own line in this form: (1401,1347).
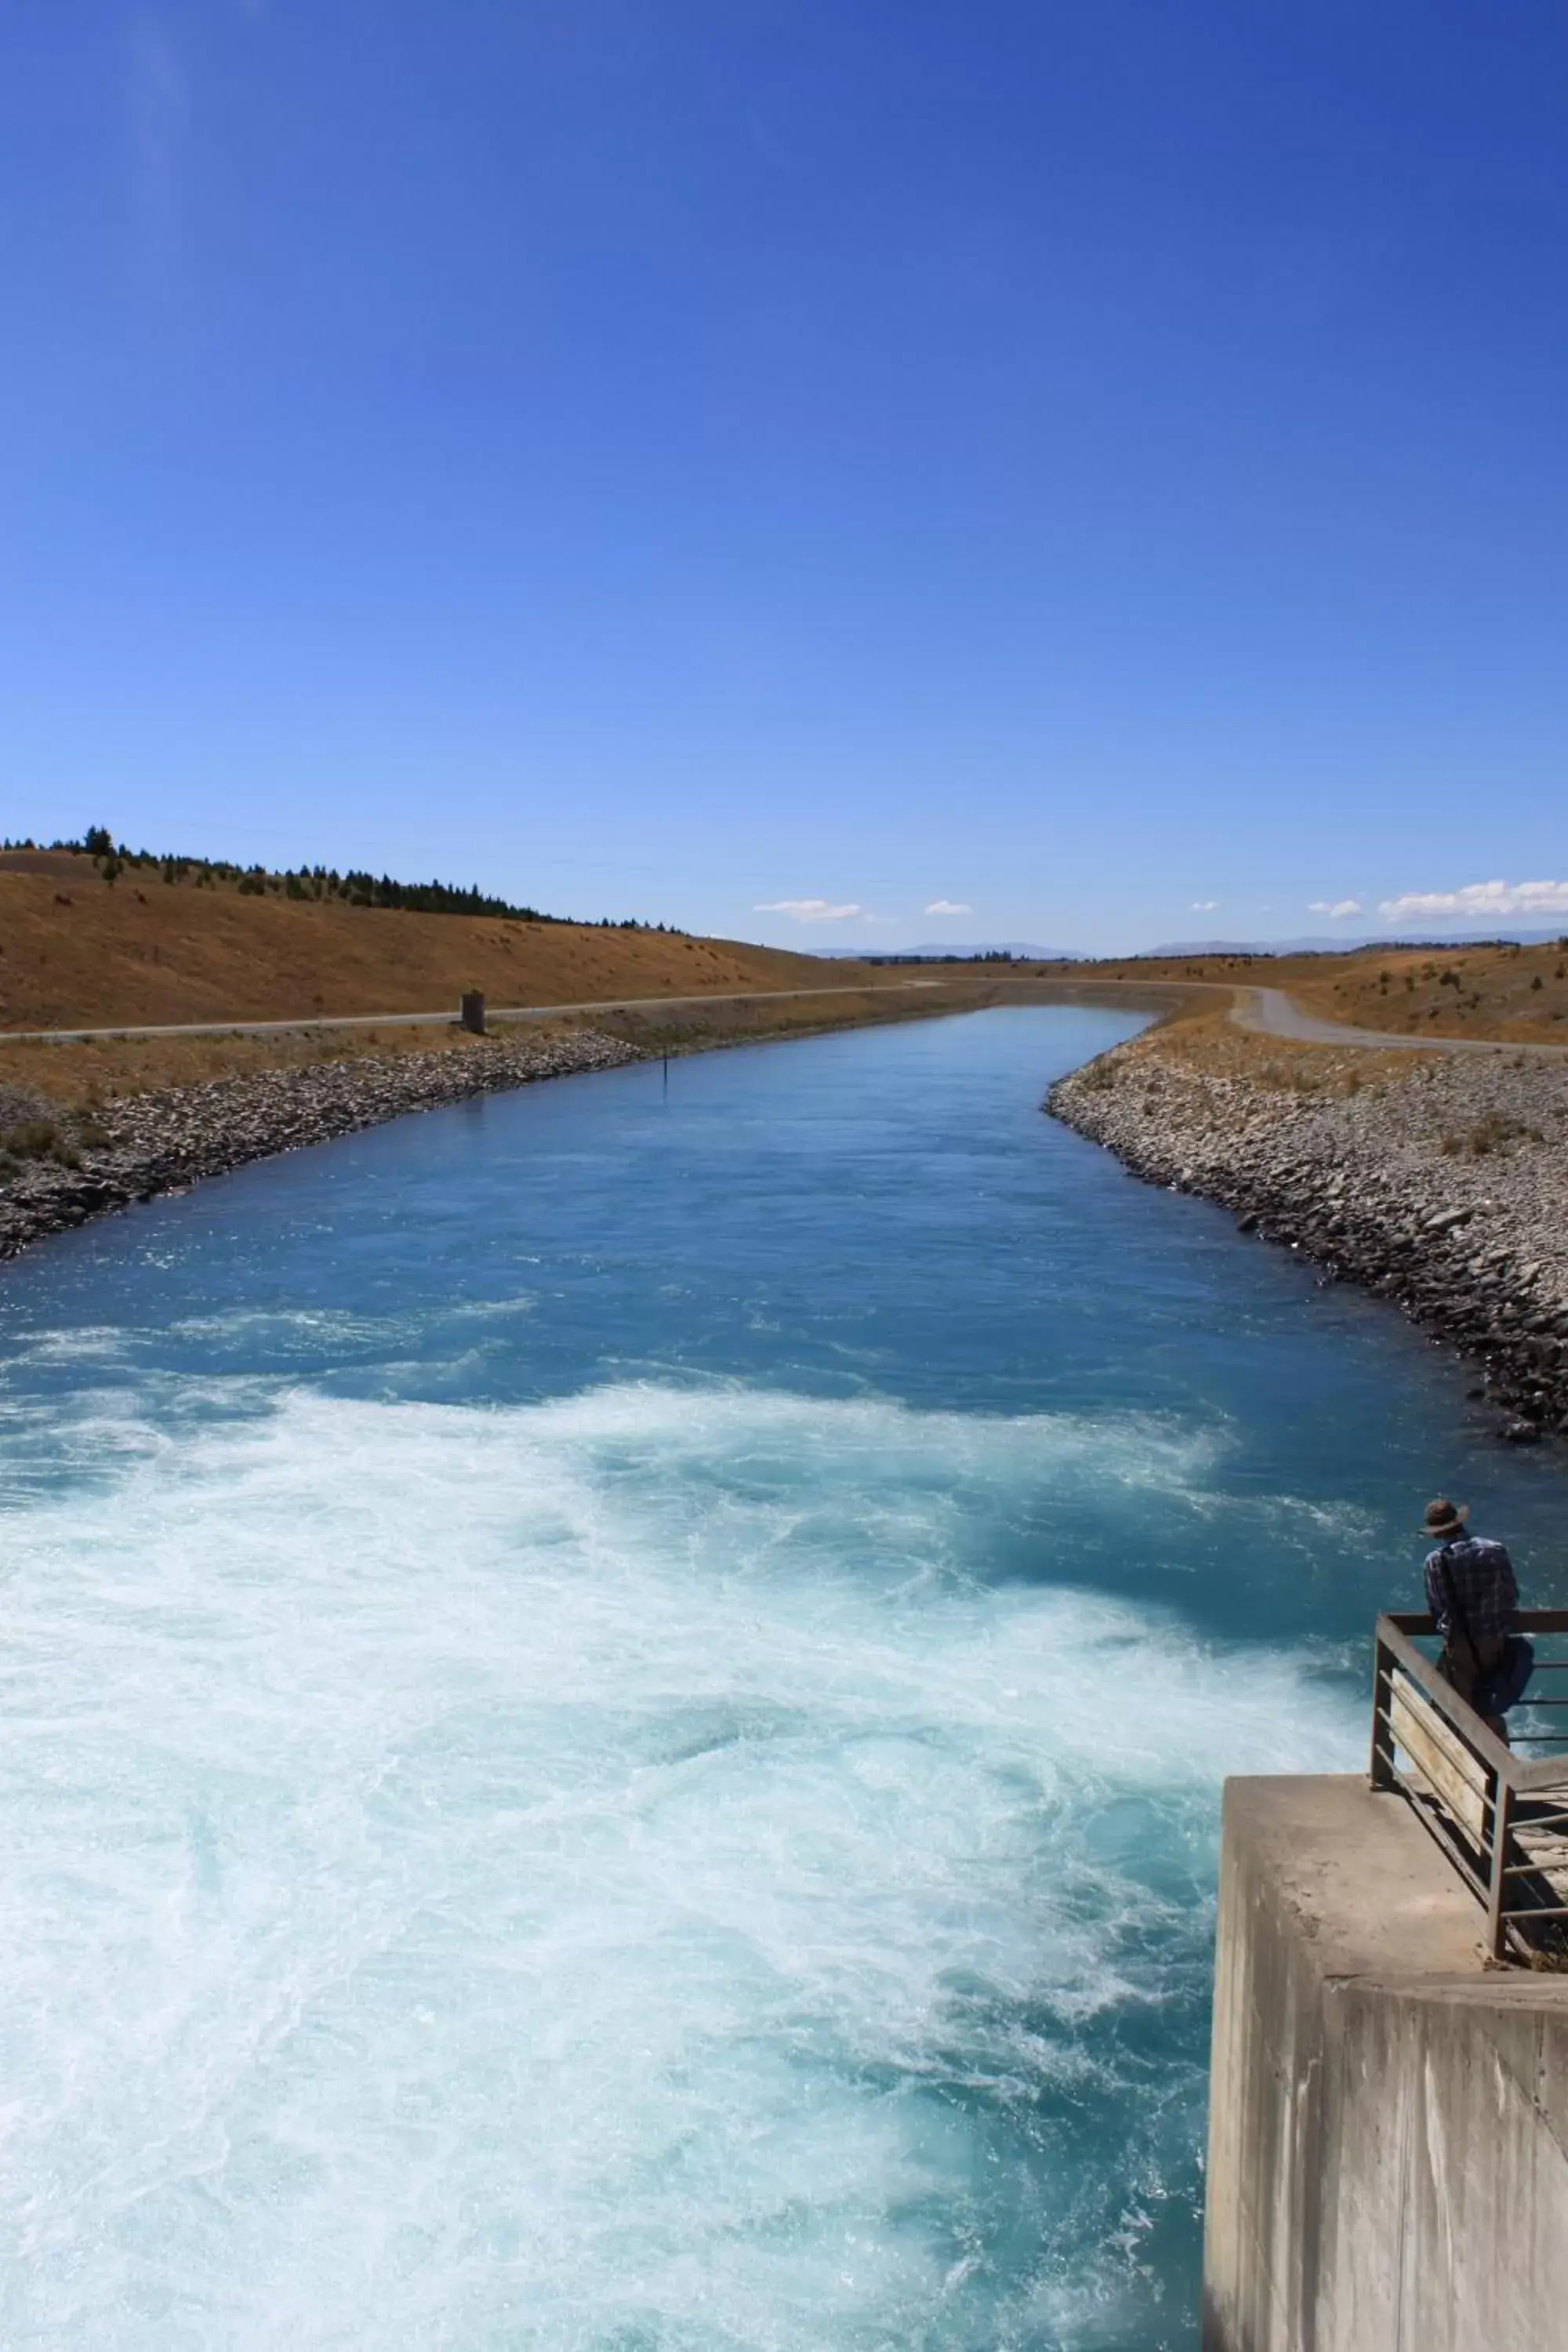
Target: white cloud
(949,907)
(807,910)
(1337,908)
(1479,898)
(1205,905)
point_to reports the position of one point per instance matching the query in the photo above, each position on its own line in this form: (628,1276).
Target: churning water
(613,1709)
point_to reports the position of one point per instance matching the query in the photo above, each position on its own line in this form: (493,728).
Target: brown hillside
(1501,991)
(1519,994)
(75,952)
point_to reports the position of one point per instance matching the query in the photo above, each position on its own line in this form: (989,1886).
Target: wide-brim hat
(1441,1517)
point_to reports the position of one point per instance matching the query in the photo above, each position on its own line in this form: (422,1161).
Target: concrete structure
(471,1011)
(1388,2129)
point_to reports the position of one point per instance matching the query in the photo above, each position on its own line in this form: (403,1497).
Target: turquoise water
(615,1702)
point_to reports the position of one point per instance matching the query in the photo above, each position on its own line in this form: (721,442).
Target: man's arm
(1507,1580)
(1436,1600)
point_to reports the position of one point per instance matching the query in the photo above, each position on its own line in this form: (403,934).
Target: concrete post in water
(471,1011)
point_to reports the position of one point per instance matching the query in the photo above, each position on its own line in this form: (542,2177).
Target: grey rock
(1381,1186)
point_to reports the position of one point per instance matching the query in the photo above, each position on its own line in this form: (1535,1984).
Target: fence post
(1502,1829)
(1382,1738)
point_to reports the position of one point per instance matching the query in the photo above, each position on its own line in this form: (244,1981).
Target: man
(1474,1601)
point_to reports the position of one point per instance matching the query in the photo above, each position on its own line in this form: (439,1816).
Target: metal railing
(1500,1818)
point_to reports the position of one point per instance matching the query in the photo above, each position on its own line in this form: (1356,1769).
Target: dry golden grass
(75,952)
(1513,995)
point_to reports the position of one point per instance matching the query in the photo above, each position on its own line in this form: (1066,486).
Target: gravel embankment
(160,1142)
(1444,1188)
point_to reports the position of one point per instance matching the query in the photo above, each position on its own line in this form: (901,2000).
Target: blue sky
(686,458)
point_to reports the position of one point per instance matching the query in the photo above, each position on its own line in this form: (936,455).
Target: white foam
(563,1876)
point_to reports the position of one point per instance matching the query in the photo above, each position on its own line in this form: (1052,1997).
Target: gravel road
(496,1014)
(1270,1013)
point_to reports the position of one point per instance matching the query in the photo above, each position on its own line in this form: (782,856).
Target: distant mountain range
(1341,941)
(1336,943)
(1022,949)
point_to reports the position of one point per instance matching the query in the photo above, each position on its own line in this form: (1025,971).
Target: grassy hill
(79,950)
(1519,994)
(1514,993)
(98,940)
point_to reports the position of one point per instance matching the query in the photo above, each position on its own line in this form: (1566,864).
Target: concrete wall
(1388,2133)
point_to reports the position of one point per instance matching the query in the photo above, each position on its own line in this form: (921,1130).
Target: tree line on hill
(956,955)
(323,883)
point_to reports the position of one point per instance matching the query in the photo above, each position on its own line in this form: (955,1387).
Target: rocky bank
(57,1172)
(1442,1186)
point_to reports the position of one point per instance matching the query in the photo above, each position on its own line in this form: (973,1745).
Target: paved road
(443,1020)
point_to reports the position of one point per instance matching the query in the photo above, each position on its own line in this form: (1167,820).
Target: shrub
(1488,1134)
(37,1139)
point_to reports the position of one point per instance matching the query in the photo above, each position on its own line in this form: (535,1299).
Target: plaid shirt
(1481,1574)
